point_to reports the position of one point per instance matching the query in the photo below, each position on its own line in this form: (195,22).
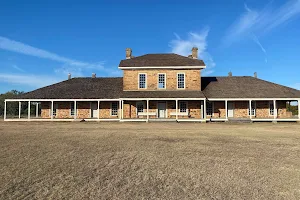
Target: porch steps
(239,120)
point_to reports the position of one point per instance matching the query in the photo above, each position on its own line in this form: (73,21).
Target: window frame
(186,109)
(145,80)
(179,73)
(271,103)
(112,109)
(137,104)
(165,81)
(55,108)
(72,114)
(253,110)
(212,108)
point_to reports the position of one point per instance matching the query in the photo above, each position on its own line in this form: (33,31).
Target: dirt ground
(59,160)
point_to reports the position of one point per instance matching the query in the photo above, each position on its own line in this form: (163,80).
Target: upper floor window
(142,81)
(114,109)
(161,81)
(180,81)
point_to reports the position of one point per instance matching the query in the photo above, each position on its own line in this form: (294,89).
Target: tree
(12,107)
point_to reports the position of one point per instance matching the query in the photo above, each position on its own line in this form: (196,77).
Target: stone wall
(45,109)
(83,110)
(192,79)
(105,110)
(241,109)
(63,110)
(218,110)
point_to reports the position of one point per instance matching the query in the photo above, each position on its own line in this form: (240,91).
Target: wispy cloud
(194,39)
(68,64)
(18,68)
(27,79)
(256,40)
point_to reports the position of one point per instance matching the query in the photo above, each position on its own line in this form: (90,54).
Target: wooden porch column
(275,109)
(51,111)
(20,109)
(147,110)
(122,111)
(250,109)
(28,109)
(37,110)
(226,108)
(299,108)
(98,110)
(176,102)
(75,109)
(205,109)
(201,107)
(5,110)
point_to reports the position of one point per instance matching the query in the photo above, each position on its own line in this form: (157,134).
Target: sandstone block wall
(192,79)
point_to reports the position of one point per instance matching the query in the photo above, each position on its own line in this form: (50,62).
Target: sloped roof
(79,88)
(160,60)
(245,87)
(163,94)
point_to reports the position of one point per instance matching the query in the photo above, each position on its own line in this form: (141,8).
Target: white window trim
(271,102)
(183,81)
(136,107)
(212,107)
(252,103)
(145,81)
(158,81)
(111,109)
(71,109)
(187,107)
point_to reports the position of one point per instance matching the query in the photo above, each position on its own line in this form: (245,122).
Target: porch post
(147,110)
(226,108)
(19,109)
(75,109)
(250,109)
(205,109)
(176,109)
(120,109)
(275,109)
(28,109)
(299,108)
(122,112)
(201,107)
(37,110)
(51,111)
(4,109)
(98,109)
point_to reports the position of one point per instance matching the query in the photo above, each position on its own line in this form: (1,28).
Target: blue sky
(42,41)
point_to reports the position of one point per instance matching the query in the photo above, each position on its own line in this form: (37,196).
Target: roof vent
(69,76)
(255,74)
(93,75)
(128,53)
(195,53)
(230,74)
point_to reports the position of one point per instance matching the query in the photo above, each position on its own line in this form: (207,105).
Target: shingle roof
(80,88)
(212,87)
(162,94)
(160,60)
(245,87)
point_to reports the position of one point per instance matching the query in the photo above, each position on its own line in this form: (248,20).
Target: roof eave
(164,67)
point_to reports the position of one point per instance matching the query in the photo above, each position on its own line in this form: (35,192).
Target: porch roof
(162,94)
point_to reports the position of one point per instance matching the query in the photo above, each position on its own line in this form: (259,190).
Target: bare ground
(149,161)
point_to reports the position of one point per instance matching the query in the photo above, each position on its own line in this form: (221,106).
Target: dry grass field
(149,161)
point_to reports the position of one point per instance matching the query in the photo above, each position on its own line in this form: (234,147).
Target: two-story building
(160,87)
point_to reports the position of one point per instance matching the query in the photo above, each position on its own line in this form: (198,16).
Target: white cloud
(18,47)
(27,79)
(18,68)
(256,40)
(184,47)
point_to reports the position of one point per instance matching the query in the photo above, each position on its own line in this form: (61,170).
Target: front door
(161,106)
(230,109)
(94,110)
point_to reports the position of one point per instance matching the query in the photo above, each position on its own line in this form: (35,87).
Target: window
(209,108)
(253,108)
(180,81)
(271,107)
(161,81)
(55,106)
(140,107)
(142,80)
(114,109)
(183,106)
(72,112)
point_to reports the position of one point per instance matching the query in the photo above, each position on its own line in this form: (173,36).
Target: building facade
(160,87)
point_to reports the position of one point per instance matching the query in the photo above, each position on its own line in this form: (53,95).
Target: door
(94,110)
(161,106)
(230,109)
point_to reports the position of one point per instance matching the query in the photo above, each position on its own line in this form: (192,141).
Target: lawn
(149,160)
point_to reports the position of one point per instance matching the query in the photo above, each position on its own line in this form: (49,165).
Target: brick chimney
(93,75)
(195,53)
(255,74)
(69,76)
(128,53)
(229,74)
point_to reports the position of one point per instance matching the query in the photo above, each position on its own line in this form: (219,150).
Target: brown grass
(149,161)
